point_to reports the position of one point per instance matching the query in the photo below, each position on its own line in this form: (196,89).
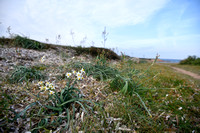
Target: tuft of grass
(22,73)
(27,43)
(97,71)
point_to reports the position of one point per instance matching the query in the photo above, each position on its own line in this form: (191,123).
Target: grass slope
(113,96)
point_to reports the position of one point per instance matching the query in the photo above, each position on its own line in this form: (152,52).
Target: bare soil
(196,76)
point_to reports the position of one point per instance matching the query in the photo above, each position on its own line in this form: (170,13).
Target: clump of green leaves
(27,43)
(100,70)
(22,73)
(63,99)
(57,107)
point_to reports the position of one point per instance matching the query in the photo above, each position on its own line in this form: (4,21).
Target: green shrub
(197,61)
(5,41)
(109,54)
(27,43)
(191,60)
(22,73)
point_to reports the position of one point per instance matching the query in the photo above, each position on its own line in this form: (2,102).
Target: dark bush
(191,60)
(5,41)
(95,51)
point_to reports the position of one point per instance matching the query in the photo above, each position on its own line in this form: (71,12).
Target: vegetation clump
(5,41)
(22,73)
(95,51)
(191,60)
(24,42)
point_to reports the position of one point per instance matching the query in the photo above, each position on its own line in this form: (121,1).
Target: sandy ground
(196,76)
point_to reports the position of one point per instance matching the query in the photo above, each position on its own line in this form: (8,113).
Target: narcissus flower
(74,72)
(51,92)
(82,70)
(68,75)
(40,83)
(180,108)
(80,77)
(51,86)
(47,84)
(45,88)
(42,59)
(78,74)
(41,88)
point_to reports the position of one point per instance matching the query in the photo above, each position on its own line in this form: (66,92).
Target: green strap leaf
(143,104)
(53,108)
(23,112)
(125,88)
(81,105)
(72,100)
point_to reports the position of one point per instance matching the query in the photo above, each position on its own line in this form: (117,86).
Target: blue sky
(139,28)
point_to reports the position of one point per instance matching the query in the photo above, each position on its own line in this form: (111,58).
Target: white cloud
(102,12)
(42,19)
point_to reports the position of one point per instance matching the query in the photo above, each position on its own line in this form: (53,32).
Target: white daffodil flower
(82,70)
(51,86)
(167,117)
(40,83)
(42,59)
(45,88)
(79,77)
(41,88)
(74,72)
(68,75)
(47,84)
(78,74)
(51,92)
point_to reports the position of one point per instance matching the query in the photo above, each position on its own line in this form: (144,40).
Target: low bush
(5,41)
(95,51)
(191,60)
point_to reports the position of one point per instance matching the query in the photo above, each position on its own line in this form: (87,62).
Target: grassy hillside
(25,42)
(94,94)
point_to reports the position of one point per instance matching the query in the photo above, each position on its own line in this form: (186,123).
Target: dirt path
(196,76)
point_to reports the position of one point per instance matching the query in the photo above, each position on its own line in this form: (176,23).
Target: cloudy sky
(139,28)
